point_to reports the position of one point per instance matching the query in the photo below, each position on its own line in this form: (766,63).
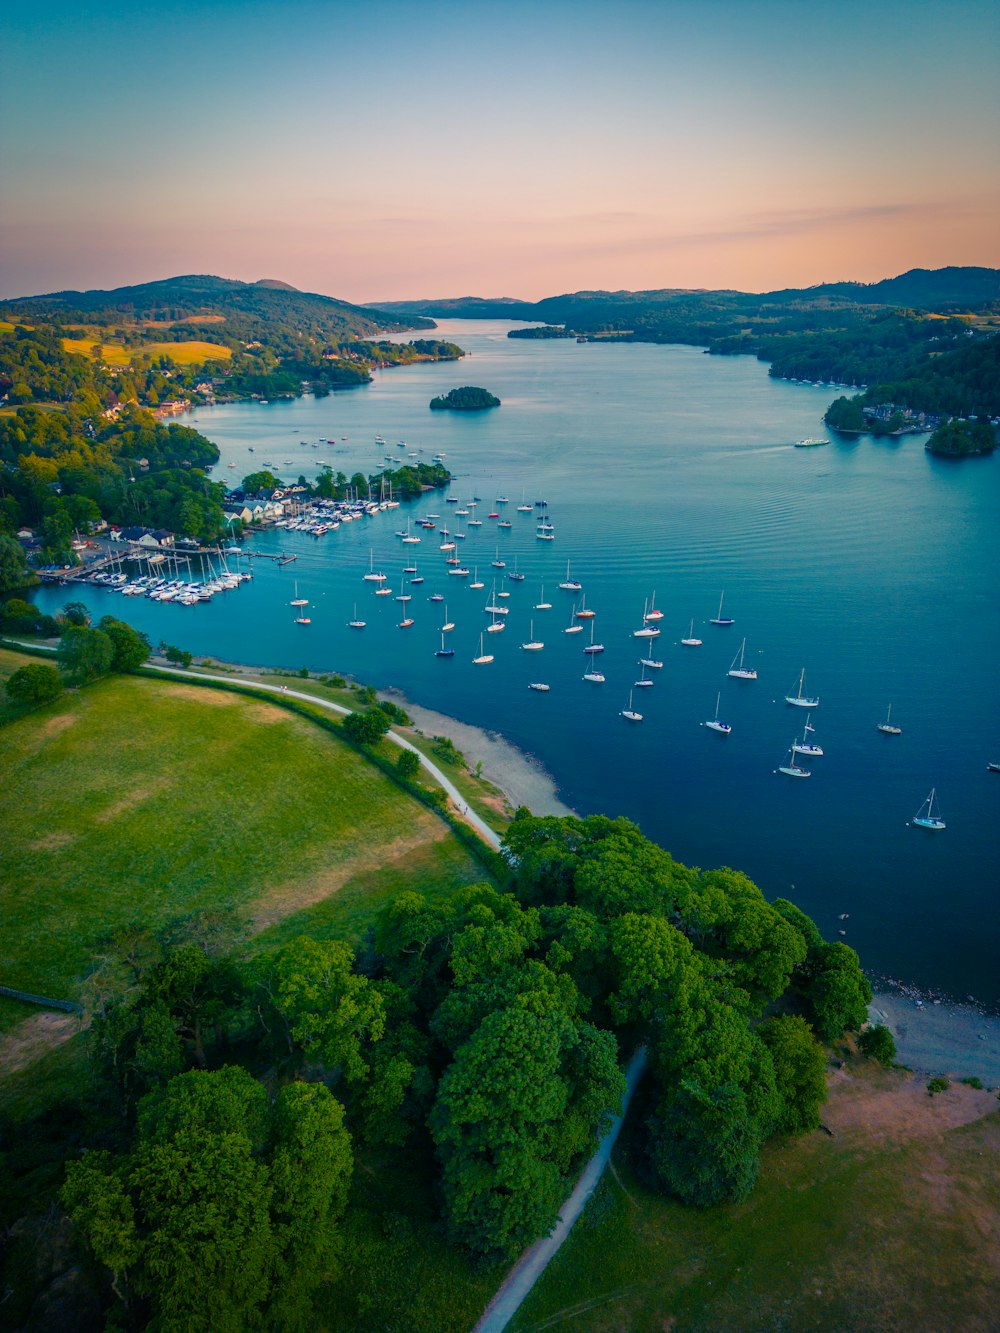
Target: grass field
(890,1224)
(144,799)
(191,353)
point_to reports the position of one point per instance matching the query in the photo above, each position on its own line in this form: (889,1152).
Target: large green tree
(84,653)
(129,648)
(34,684)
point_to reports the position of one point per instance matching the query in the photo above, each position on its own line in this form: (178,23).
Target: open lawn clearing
(893,1223)
(488,801)
(140,798)
(190,353)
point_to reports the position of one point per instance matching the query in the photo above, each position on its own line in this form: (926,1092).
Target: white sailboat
(713,724)
(539,686)
(799,699)
(533,645)
(807,747)
(498,563)
(595,677)
(476,581)
(300,602)
(543,605)
(691,641)
(925,816)
(570,585)
(792,769)
(643,679)
(356,623)
(652,613)
(372,576)
(887,727)
(593,647)
(741,672)
(573,627)
(720,619)
(651,662)
(483,657)
(647,631)
(629,713)
(448,625)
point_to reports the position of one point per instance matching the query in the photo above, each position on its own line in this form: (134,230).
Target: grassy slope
(191,353)
(891,1224)
(140,798)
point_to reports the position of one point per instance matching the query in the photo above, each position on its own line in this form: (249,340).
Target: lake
(869,563)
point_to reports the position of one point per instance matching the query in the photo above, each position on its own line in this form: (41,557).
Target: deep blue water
(871,564)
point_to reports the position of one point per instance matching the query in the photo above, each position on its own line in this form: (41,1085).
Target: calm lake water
(871,564)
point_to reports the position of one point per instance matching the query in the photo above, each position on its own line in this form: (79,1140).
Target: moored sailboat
(720,619)
(887,727)
(801,700)
(713,724)
(925,816)
(741,672)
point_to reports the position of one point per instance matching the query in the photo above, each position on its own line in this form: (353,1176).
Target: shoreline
(521,777)
(939,1037)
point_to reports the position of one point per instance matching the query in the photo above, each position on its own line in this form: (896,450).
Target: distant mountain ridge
(953,287)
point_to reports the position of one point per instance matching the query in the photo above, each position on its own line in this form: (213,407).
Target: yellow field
(6,327)
(190,353)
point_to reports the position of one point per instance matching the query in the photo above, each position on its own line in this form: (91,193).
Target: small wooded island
(467,399)
(956,439)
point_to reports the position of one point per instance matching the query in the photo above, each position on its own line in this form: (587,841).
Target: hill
(237,310)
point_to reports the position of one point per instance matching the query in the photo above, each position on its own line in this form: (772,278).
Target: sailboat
(491,605)
(801,700)
(539,686)
(533,645)
(356,623)
(595,677)
(568,584)
(495,626)
(629,713)
(651,662)
(448,624)
(691,641)
(720,619)
(741,672)
(406,622)
(807,747)
(792,769)
(476,581)
(498,563)
(713,724)
(299,603)
(543,605)
(886,727)
(524,507)
(652,613)
(647,631)
(483,657)
(573,627)
(372,576)
(643,679)
(593,647)
(514,576)
(583,613)
(443,651)
(930,819)
(410,540)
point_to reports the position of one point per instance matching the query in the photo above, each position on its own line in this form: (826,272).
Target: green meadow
(143,799)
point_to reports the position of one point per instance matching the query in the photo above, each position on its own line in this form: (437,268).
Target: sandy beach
(519,776)
(940,1038)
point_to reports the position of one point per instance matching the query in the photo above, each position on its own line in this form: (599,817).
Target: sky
(388,150)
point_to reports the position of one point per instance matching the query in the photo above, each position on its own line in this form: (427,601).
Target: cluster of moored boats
(181,591)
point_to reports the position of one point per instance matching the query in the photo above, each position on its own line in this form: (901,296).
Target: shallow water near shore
(870,563)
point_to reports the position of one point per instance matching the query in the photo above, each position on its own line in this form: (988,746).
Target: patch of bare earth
(298,894)
(198,694)
(53,842)
(897,1108)
(35,1037)
(135,796)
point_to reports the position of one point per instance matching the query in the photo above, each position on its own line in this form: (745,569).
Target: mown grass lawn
(892,1224)
(139,799)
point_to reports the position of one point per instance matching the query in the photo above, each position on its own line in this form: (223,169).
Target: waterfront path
(529,1268)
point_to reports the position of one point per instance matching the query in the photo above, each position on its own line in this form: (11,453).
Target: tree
(20,617)
(509,1119)
(259,481)
(84,653)
(408,764)
(877,1043)
(837,990)
(179,655)
(129,648)
(799,1070)
(366,728)
(76,613)
(34,684)
(330,1012)
(14,572)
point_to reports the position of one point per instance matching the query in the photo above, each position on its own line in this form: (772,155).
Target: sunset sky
(390,150)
